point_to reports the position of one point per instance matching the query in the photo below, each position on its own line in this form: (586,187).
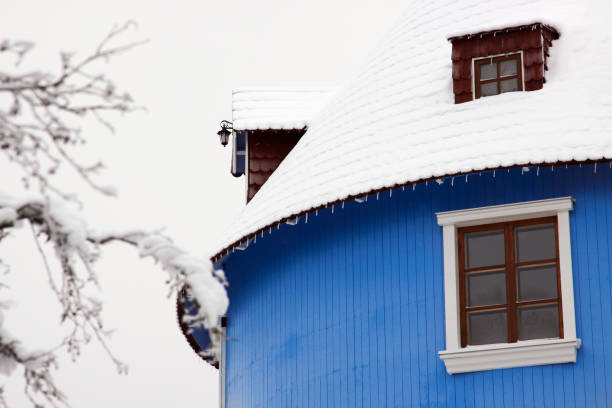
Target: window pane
(488,89)
(484,249)
(534,243)
(486,288)
(536,283)
(487,327)
(538,322)
(509,85)
(488,71)
(507,67)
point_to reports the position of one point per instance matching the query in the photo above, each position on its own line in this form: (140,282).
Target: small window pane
(484,249)
(535,243)
(486,288)
(488,89)
(509,85)
(507,67)
(487,327)
(538,322)
(488,71)
(536,283)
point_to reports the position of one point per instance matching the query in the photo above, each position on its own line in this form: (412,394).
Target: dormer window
(506,60)
(496,75)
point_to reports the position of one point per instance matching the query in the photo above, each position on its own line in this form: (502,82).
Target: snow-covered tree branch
(41,130)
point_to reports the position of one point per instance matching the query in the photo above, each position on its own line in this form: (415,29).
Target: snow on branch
(77,248)
(42,114)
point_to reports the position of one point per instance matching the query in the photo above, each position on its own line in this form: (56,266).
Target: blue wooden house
(438,231)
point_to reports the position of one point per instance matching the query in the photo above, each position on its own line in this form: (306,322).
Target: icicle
(377,196)
(255,241)
(452,181)
(425,183)
(332,209)
(413,187)
(610,163)
(278,225)
(343,205)
(316,213)
(466,176)
(580,165)
(552,169)
(366,198)
(262,233)
(390,193)
(270,231)
(404,187)
(306,218)
(566,166)
(595,169)
(493,173)
(479,173)
(538,171)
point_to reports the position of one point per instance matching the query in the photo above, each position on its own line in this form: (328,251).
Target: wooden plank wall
(347,310)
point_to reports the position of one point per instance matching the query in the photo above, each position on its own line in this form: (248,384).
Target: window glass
(484,249)
(538,322)
(488,71)
(535,243)
(486,288)
(509,85)
(487,327)
(488,89)
(507,67)
(537,282)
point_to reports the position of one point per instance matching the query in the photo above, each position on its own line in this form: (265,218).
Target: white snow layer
(277,108)
(395,120)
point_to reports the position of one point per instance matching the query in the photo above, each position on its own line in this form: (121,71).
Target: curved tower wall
(347,310)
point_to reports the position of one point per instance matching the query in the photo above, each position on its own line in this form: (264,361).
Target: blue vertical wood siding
(347,310)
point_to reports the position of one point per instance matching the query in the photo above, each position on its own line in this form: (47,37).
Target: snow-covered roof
(277,108)
(394,122)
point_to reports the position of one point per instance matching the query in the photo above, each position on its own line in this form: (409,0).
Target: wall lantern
(224,133)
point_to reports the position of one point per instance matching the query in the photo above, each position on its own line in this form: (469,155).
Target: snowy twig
(77,247)
(35,130)
(41,125)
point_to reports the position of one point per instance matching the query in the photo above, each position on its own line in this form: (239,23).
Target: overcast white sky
(167,164)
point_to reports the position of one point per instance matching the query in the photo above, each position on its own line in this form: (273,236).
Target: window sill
(507,355)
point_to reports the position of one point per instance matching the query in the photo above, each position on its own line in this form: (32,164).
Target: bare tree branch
(41,131)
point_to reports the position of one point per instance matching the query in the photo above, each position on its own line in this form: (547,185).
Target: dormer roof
(395,122)
(277,108)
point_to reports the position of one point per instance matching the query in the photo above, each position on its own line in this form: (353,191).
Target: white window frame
(459,359)
(494,56)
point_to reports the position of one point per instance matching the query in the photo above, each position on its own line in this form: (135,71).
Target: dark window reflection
(537,282)
(487,327)
(535,243)
(485,249)
(486,288)
(538,322)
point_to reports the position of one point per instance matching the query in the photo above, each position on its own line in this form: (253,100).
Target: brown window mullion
(462,291)
(511,284)
(537,302)
(536,263)
(487,268)
(491,307)
(498,80)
